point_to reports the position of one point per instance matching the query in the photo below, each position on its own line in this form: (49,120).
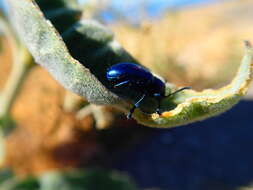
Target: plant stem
(21,66)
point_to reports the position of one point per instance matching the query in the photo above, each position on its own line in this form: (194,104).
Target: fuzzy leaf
(193,106)
(95,49)
(5,174)
(48,49)
(11,182)
(96,179)
(88,180)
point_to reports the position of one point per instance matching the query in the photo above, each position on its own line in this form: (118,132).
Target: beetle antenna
(179,90)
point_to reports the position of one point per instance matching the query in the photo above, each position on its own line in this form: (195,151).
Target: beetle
(139,79)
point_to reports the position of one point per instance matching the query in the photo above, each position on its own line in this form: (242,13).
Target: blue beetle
(137,78)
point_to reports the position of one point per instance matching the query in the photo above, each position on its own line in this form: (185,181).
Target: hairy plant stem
(22,64)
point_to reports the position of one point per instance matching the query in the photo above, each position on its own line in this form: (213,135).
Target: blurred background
(196,43)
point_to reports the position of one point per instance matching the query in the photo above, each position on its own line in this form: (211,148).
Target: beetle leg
(136,105)
(158,110)
(121,83)
(158,97)
(129,115)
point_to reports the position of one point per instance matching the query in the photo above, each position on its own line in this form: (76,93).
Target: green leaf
(5,174)
(62,13)
(29,183)
(1,42)
(49,50)
(3,31)
(57,4)
(193,106)
(94,49)
(8,181)
(7,124)
(96,179)
(86,180)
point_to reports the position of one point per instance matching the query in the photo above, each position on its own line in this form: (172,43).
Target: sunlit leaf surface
(92,48)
